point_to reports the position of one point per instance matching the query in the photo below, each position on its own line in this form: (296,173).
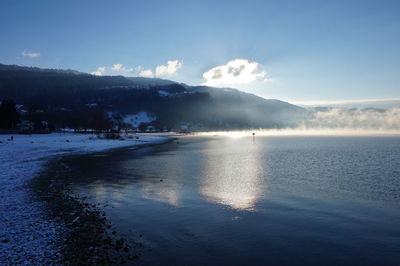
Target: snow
(25,236)
(136,119)
(164,93)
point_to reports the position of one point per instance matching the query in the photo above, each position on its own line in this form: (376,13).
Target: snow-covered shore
(25,236)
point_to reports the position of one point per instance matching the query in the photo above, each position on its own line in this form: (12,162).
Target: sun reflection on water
(234,175)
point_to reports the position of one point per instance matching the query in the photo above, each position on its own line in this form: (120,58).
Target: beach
(26,236)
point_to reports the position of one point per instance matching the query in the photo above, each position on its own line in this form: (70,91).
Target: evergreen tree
(9,116)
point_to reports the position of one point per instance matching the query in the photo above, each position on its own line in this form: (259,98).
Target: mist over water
(360,119)
(333,122)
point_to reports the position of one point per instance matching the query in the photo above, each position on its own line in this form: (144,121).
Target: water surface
(281,200)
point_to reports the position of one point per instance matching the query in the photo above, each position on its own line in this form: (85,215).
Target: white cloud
(237,71)
(100,71)
(30,54)
(161,71)
(169,69)
(116,67)
(121,68)
(147,73)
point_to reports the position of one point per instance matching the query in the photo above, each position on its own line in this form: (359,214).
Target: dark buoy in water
(254,137)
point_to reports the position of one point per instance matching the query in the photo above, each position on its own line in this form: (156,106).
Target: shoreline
(89,237)
(86,237)
(27,235)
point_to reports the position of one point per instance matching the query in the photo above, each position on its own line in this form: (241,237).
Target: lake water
(280,201)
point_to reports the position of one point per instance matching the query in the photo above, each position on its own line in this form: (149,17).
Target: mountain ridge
(173,103)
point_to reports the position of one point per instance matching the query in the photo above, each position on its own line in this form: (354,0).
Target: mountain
(36,69)
(173,104)
(151,81)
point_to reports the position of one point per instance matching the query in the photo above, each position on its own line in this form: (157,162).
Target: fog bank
(360,119)
(334,122)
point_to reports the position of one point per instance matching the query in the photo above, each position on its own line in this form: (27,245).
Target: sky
(298,51)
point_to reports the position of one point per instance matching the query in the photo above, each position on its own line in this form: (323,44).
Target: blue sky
(290,50)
